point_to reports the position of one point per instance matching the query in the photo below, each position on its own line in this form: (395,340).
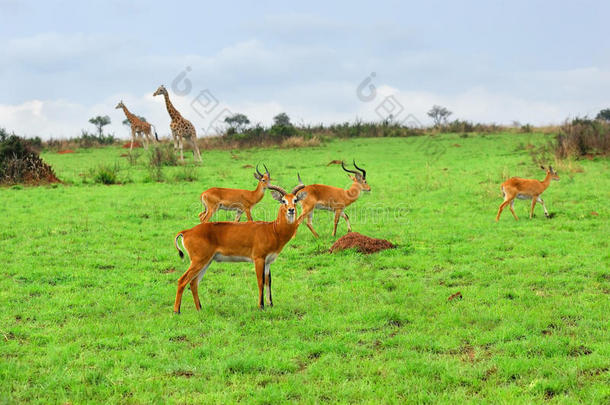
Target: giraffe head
(160,90)
(120,105)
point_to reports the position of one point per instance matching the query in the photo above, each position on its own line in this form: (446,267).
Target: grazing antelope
(259,242)
(335,199)
(525,189)
(231,199)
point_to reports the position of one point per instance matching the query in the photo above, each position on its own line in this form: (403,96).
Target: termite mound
(361,243)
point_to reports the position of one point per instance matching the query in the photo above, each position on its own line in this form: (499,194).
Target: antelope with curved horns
(526,189)
(258,242)
(320,196)
(232,199)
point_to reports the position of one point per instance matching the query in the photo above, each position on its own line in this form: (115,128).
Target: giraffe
(181,127)
(138,127)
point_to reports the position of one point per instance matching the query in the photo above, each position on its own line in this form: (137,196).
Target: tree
(439,114)
(100,122)
(282,120)
(237,122)
(604,115)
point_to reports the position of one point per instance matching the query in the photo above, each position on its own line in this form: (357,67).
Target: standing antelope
(259,242)
(231,199)
(525,189)
(335,199)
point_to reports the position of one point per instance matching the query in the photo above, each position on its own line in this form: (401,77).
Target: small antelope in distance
(138,126)
(231,199)
(259,242)
(525,189)
(320,196)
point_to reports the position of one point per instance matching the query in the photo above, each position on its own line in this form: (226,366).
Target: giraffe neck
(128,114)
(173,113)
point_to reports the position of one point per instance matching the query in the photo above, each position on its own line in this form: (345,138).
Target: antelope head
(288,201)
(263,179)
(359,177)
(551,172)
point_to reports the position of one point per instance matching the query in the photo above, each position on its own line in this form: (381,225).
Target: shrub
(105,174)
(188,173)
(20,163)
(160,155)
(582,136)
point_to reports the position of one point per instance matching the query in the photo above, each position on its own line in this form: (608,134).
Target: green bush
(106,174)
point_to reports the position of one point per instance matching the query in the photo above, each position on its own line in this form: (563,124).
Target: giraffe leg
(181,145)
(133,138)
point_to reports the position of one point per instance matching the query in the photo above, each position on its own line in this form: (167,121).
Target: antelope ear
(257,177)
(276,195)
(551,169)
(301,195)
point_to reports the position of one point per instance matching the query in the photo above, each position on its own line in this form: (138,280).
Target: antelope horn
(362,170)
(257,171)
(278,189)
(298,188)
(299,177)
(347,170)
(266,170)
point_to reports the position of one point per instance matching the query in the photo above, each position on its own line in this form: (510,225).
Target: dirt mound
(362,243)
(29,169)
(20,163)
(136,144)
(63,152)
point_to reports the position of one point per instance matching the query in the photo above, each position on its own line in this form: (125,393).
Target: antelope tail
(176,244)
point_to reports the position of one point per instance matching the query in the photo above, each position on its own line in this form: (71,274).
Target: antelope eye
(294,200)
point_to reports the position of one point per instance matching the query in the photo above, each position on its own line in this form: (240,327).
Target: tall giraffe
(181,127)
(138,127)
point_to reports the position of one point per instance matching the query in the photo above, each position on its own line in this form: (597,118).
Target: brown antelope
(231,199)
(259,242)
(322,197)
(526,189)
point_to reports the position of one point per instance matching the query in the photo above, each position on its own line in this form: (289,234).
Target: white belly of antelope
(222,258)
(524,197)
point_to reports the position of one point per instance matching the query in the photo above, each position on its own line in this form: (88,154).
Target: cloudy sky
(62,62)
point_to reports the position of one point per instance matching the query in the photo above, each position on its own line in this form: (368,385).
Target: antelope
(231,199)
(258,242)
(331,198)
(526,189)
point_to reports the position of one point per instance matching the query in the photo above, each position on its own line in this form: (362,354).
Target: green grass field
(88,279)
